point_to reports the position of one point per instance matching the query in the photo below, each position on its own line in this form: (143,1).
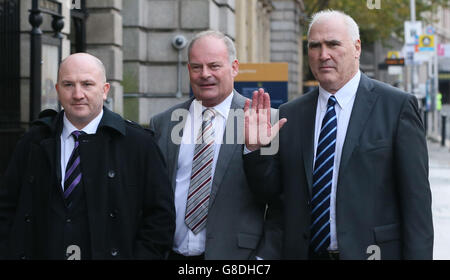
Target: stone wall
(150,62)
(104,40)
(286,41)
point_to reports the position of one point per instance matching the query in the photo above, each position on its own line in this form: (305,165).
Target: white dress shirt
(185,241)
(345,98)
(68,143)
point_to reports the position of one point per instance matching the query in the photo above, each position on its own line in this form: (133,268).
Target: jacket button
(27,218)
(111,174)
(114,252)
(68,220)
(23,257)
(113,214)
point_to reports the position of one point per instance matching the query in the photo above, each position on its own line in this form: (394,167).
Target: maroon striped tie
(200,185)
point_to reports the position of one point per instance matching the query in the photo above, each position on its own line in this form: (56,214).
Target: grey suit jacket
(238,225)
(383,195)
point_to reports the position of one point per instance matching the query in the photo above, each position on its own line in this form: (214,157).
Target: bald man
(84,183)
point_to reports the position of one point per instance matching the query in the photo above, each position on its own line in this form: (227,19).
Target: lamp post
(35,20)
(53,8)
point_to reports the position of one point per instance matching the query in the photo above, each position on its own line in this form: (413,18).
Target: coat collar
(54,121)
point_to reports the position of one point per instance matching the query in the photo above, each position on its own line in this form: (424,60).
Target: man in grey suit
(352,165)
(217,216)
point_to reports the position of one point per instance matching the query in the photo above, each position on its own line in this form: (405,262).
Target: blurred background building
(134,39)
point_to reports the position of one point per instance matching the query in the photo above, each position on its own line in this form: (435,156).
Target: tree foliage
(380,23)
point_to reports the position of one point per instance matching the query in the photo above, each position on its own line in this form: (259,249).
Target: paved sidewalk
(439,163)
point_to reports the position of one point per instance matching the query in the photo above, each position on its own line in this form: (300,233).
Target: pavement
(439,177)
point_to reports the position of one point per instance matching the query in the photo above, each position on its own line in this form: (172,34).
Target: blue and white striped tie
(322,179)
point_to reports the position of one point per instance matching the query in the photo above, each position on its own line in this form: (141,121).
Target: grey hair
(219,35)
(352,26)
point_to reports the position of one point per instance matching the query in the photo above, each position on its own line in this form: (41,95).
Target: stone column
(286,37)
(104,40)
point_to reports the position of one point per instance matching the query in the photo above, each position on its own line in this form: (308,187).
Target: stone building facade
(134,40)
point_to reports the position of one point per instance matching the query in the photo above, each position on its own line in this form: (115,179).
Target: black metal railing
(10,126)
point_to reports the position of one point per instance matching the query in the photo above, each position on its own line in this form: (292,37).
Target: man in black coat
(84,183)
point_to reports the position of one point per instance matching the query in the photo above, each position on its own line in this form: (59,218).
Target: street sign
(443,50)
(273,77)
(426,43)
(393,54)
(394,61)
(429,30)
(412,31)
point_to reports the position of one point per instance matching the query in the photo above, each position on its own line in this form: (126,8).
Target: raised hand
(258,129)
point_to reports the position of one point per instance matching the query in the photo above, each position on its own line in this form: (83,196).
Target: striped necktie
(322,179)
(200,185)
(73,169)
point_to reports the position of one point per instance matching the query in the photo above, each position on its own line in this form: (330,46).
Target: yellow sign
(426,42)
(263,72)
(393,54)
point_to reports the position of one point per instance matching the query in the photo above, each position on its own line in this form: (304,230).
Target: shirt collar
(90,128)
(223,108)
(343,96)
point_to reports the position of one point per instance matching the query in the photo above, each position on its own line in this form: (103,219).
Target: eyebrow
(327,42)
(83,81)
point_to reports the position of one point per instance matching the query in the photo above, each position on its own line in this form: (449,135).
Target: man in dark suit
(352,165)
(202,141)
(84,183)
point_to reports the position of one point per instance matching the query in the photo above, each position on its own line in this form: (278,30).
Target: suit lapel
(364,101)
(227,149)
(308,121)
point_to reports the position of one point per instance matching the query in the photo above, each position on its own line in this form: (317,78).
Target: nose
(324,54)
(78,92)
(205,72)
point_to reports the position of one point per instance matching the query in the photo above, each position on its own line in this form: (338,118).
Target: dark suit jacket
(130,207)
(383,195)
(238,226)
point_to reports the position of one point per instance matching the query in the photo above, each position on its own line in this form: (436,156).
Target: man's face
(210,71)
(333,56)
(81,89)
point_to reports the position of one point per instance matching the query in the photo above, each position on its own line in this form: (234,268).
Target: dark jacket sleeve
(411,158)
(270,246)
(155,237)
(263,175)
(9,195)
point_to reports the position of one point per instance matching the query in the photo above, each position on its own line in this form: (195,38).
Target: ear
(235,68)
(106,88)
(358,48)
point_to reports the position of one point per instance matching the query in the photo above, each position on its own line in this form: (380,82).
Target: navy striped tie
(73,169)
(322,179)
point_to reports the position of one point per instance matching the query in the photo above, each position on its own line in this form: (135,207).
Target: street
(439,163)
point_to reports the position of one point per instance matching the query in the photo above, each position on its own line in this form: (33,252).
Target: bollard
(443,125)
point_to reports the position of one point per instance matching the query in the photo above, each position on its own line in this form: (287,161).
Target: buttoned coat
(129,204)
(383,196)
